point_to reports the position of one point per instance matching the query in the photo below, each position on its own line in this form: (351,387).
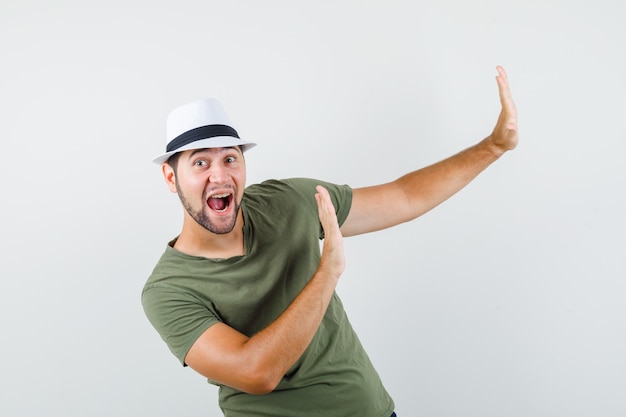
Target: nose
(217,173)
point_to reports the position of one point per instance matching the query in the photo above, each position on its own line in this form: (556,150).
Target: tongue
(218,204)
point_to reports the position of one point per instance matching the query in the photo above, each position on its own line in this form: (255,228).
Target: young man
(243,294)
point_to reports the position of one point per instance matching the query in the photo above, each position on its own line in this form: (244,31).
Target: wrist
(492,146)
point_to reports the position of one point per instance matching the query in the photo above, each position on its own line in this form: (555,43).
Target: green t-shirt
(185,295)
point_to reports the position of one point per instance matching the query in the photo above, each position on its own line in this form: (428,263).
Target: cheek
(241,183)
(241,176)
(191,186)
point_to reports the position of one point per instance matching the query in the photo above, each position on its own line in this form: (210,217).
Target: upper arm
(375,208)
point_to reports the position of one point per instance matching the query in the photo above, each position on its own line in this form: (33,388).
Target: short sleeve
(179,317)
(340,195)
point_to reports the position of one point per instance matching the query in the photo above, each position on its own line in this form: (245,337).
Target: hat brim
(214,142)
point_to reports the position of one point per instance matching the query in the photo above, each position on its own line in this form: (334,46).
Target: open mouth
(220,202)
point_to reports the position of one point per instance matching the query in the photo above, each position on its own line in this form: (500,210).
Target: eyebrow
(223,149)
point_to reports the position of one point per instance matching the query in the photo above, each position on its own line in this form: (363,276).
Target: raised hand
(504,136)
(333,257)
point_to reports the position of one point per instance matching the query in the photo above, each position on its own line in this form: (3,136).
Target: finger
(321,196)
(324,203)
(506,98)
(326,210)
(503,86)
(502,72)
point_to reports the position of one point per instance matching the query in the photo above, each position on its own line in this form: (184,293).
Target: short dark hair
(173,161)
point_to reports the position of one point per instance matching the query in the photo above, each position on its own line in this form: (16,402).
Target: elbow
(261,382)
(260,388)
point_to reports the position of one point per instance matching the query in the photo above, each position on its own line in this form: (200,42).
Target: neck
(195,240)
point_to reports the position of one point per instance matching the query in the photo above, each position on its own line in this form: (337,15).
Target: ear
(169,176)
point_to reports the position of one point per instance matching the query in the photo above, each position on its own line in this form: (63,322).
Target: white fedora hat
(199,124)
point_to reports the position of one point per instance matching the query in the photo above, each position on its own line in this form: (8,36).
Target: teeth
(220,195)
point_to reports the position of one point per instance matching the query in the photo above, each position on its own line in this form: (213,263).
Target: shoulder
(299,192)
(297,187)
(174,272)
(168,264)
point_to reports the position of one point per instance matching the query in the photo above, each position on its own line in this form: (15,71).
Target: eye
(200,163)
(230,159)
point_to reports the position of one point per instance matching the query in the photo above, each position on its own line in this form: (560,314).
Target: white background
(506,300)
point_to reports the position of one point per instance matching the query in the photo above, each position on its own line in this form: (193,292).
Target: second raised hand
(333,257)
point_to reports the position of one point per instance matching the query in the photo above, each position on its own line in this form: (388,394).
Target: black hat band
(202,132)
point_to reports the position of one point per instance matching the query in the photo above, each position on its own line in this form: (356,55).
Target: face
(210,184)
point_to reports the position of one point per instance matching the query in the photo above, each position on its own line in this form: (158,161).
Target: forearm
(276,348)
(256,364)
(426,188)
(386,205)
